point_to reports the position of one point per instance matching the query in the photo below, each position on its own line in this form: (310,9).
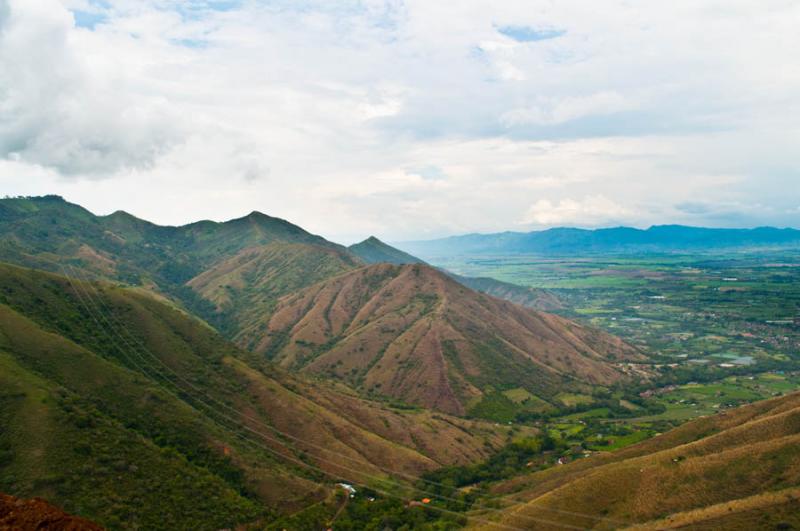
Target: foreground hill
(121,408)
(568,241)
(739,469)
(414,333)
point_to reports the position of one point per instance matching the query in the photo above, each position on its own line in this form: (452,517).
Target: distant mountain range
(569,241)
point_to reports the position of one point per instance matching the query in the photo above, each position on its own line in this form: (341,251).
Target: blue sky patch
(85,19)
(530,34)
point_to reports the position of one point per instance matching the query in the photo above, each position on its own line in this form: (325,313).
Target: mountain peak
(374,251)
(121,214)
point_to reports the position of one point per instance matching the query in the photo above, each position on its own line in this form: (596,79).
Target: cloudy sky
(407,119)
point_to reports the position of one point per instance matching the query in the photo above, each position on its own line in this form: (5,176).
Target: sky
(407,119)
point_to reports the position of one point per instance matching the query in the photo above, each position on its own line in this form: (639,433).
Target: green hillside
(121,408)
(231,274)
(37,231)
(735,470)
(245,287)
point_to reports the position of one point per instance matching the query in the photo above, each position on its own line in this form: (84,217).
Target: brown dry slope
(413,333)
(36,514)
(246,286)
(735,470)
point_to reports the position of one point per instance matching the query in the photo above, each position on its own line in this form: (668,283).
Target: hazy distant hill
(536,298)
(568,241)
(414,333)
(737,470)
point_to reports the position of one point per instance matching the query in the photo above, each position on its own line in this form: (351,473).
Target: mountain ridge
(566,240)
(374,251)
(414,333)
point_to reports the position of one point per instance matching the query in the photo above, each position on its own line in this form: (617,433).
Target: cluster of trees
(510,461)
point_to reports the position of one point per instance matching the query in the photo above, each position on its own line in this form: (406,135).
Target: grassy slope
(413,333)
(100,394)
(35,232)
(61,445)
(738,469)
(231,273)
(246,286)
(62,448)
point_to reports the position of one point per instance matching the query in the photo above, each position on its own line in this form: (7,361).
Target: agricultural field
(726,311)
(720,330)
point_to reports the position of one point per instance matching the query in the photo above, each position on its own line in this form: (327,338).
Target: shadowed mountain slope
(230,273)
(739,469)
(220,271)
(413,333)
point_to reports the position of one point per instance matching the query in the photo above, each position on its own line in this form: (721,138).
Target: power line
(337,465)
(345,457)
(478,507)
(289,458)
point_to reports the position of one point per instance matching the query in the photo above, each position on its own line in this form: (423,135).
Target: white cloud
(559,111)
(67,107)
(333,114)
(589,211)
